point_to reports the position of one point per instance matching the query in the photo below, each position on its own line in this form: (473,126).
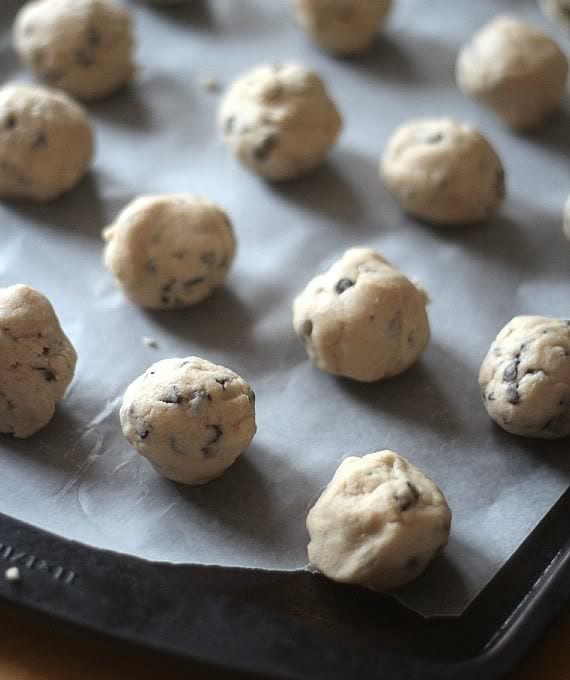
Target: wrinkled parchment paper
(79,477)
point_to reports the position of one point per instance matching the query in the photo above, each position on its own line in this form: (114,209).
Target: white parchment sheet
(80,478)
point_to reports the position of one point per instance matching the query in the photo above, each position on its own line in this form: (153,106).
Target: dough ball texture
(362,319)
(566,223)
(558,11)
(443,171)
(342,26)
(46,143)
(169,251)
(279,120)
(525,377)
(515,70)
(37,361)
(189,417)
(379,522)
(81,46)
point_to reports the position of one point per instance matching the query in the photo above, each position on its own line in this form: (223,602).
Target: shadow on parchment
(332,189)
(420,393)
(242,498)
(79,210)
(196,14)
(222,321)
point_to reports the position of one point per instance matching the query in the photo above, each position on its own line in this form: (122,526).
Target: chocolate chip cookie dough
(362,319)
(443,171)
(169,251)
(37,361)
(279,120)
(379,522)
(189,417)
(81,46)
(515,70)
(342,26)
(46,142)
(525,377)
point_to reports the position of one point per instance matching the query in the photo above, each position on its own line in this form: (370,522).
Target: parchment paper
(80,478)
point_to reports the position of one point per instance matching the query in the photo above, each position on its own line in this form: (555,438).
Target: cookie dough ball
(558,11)
(379,522)
(515,70)
(279,120)
(189,417)
(443,171)
(342,26)
(525,377)
(81,46)
(169,251)
(566,223)
(362,319)
(46,143)
(37,361)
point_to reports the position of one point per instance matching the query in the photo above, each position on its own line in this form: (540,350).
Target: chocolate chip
(229,125)
(222,382)
(409,499)
(307,327)
(513,396)
(53,76)
(38,140)
(413,563)
(84,58)
(165,299)
(213,433)
(142,428)
(500,183)
(49,375)
(343,284)
(45,351)
(511,370)
(190,283)
(93,37)
(167,287)
(173,396)
(10,122)
(434,138)
(261,153)
(251,397)
(208,258)
(395,326)
(491,396)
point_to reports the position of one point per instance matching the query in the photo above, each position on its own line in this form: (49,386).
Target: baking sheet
(79,477)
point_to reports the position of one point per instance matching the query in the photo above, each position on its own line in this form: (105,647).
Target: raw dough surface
(342,26)
(362,319)
(514,69)
(189,417)
(81,46)
(279,120)
(525,377)
(443,171)
(37,361)
(46,142)
(169,251)
(378,523)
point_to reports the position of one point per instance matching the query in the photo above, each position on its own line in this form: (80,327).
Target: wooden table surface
(31,649)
